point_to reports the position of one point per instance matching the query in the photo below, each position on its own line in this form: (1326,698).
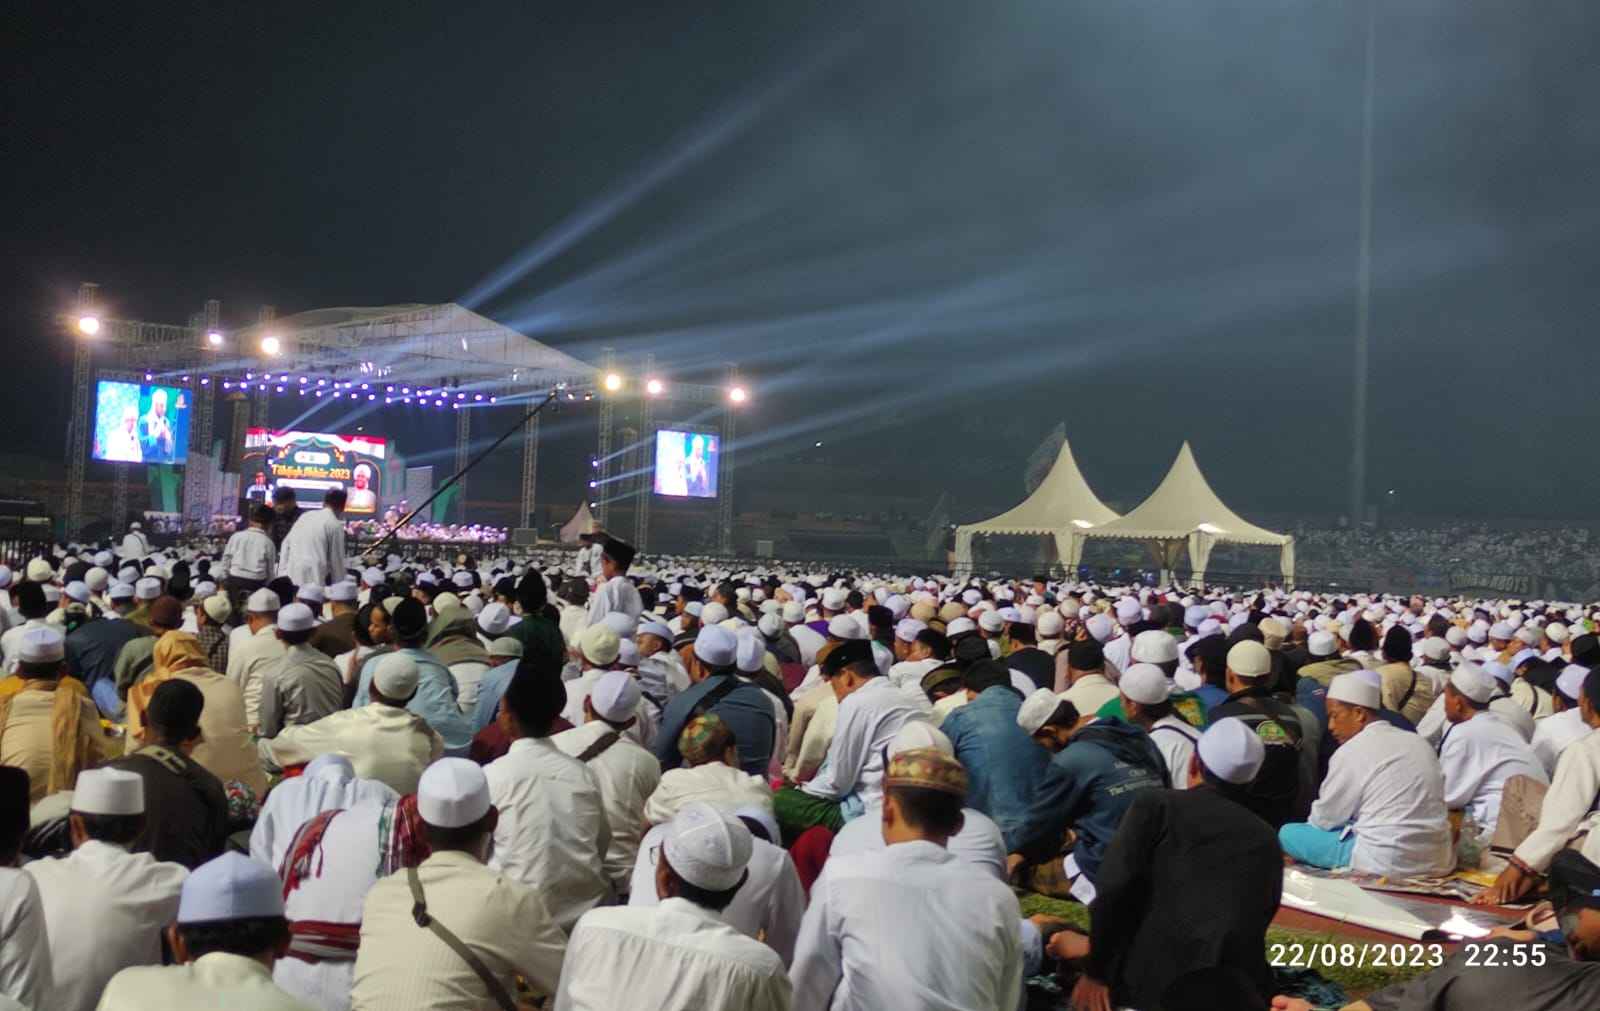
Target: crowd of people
(276,776)
(1565,551)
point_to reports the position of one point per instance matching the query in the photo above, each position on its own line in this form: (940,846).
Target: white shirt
(250,554)
(384,743)
(211,982)
(25,964)
(1571,798)
(1387,785)
(767,907)
(552,833)
(135,545)
(721,786)
(869,717)
(296,801)
(248,662)
(1176,741)
(979,843)
(1552,735)
(104,909)
(1089,693)
(907,676)
(643,729)
(313,549)
(11,641)
(910,928)
(676,956)
(615,594)
(401,966)
(1477,757)
(627,775)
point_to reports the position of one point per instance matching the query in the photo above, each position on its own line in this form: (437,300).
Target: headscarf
(176,651)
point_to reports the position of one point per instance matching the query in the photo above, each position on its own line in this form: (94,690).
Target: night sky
(928,232)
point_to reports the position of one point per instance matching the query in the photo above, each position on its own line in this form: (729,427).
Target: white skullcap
(1069,608)
(1051,624)
(452,793)
(1154,646)
(916,734)
(462,579)
(749,652)
(1498,670)
(231,887)
(1010,614)
(770,625)
(445,602)
(1435,648)
(97,579)
(1037,709)
(1530,635)
(52,593)
(897,605)
(108,791)
(1194,614)
(396,675)
(651,627)
(263,601)
(1503,631)
(296,618)
(39,571)
(1145,683)
(714,613)
(311,592)
(1128,611)
(620,622)
(1249,659)
(1455,636)
(506,646)
(794,612)
(127,574)
(372,576)
(1557,632)
(615,696)
(716,646)
(494,619)
(1570,683)
(120,591)
(970,597)
(40,644)
(707,848)
(834,599)
(1356,691)
(148,588)
(1230,751)
(599,644)
(843,626)
(218,607)
(104,559)
(907,628)
(1102,627)
(1322,644)
(960,626)
(204,589)
(883,657)
(694,608)
(990,621)
(77,591)
(1473,681)
(342,592)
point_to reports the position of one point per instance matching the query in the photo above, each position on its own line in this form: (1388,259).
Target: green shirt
(1186,705)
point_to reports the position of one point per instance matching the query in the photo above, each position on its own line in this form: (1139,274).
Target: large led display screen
(140,423)
(686,464)
(312,462)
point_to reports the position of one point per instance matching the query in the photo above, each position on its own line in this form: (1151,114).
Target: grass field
(1357,982)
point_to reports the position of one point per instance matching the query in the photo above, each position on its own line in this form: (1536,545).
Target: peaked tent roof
(582,522)
(1063,500)
(1182,504)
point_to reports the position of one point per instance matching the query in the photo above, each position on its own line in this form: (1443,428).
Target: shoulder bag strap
(715,695)
(419,912)
(1412,687)
(599,747)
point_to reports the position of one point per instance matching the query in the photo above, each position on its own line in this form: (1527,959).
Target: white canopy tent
(582,522)
(1183,510)
(1062,506)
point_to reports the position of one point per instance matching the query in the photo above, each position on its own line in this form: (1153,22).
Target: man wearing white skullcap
(1554,733)
(254,647)
(1293,736)
(337,635)
(552,834)
(403,961)
(328,782)
(302,685)
(1381,807)
(680,954)
(104,907)
(600,646)
(230,932)
(882,924)
(49,726)
(1480,751)
(1190,882)
(717,688)
(1146,701)
(383,740)
(626,773)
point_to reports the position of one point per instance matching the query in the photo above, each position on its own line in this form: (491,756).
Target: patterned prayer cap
(704,739)
(927,769)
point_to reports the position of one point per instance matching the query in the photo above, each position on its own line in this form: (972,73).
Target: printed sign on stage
(140,423)
(686,464)
(311,463)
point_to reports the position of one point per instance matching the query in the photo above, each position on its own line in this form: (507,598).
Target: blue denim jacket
(1003,763)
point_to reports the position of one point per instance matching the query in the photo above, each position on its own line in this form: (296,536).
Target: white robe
(1553,734)
(312,553)
(1386,784)
(869,718)
(978,844)
(1477,757)
(627,775)
(25,963)
(219,980)
(615,594)
(326,784)
(1570,800)
(104,910)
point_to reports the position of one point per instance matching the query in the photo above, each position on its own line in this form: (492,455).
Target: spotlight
(594,484)
(738,395)
(477,396)
(271,345)
(655,387)
(461,396)
(491,400)
(280,389)
(613,382)
(406,390)
(88,325)
(227,385)
(205,382)
(214,338)
(303,380)
(249,375)
(372,396)
(148,376)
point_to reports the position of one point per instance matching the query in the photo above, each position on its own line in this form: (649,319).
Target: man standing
(552,832)
(250,557)
(616,591)
(910,926)
(1190,881)
(678,955)
(404,960)
(302,685)
(313,552)
(104,907)
(1381,808)
(285,510)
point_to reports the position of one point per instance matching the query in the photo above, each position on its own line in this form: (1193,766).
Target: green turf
(1357,982)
